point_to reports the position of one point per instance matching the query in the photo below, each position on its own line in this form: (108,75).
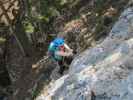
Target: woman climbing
(60,52)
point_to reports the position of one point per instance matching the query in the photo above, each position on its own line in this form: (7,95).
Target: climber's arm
(61,53)
(68,48)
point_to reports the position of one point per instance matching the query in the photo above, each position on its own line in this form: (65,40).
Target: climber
(60,52)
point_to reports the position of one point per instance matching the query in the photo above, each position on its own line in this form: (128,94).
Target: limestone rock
(104,72)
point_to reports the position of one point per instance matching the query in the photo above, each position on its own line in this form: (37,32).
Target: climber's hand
(71,50)
(70,53)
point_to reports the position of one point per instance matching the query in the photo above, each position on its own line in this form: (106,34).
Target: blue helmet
(58,42)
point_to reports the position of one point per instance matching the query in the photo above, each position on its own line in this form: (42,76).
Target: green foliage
(42,18)
(45,10)
(53,11)
(49,8)
(2,40)
(100,5)
(35,93)
(73,3)
(63,2)
(100,25)
(29,28)
(76,17)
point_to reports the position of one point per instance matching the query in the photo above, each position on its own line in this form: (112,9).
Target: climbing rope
(43,60)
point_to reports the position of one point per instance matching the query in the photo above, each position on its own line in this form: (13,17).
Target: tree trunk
(22,40)
(4,75)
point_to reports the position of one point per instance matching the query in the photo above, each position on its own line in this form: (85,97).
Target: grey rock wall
(101,73)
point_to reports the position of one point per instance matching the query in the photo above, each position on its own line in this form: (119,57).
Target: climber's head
(58,42)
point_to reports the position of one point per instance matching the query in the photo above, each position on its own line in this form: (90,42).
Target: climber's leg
(62,67)
(68,60)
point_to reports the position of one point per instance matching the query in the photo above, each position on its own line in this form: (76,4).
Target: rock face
(101,73)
